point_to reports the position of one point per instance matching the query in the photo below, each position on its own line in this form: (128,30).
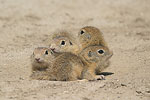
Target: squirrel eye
(100,51)
(70,43)
(46,52)
(81,32)
(62,42)
(89,54)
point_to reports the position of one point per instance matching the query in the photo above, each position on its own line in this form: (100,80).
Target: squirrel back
(50,65)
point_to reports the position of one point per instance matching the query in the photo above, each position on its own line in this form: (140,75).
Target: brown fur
(70,43)
(97,62)
(90,35)
(59,66)
(66,66)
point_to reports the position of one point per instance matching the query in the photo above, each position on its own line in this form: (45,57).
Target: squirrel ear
(51,50)
(33,54)
(70,43)
(88,36)
(89,54)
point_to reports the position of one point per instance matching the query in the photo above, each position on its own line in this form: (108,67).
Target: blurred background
(26,24)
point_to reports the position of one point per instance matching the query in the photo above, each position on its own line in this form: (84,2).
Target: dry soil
(26,24)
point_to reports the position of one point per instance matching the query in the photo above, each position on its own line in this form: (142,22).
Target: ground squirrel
(39,60)
(62,41)
(66,66)
(61,66)
(90,35)
(98,56)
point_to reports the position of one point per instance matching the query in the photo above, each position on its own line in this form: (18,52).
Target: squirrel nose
(37,59)
(52,49)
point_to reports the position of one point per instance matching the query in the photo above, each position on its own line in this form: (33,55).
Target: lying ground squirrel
(62,42)
(58,66)
(90,35)
(39,60)
(66,66)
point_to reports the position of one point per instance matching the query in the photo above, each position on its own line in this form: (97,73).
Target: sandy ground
(25,24)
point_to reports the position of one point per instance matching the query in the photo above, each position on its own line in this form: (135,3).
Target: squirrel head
(97,54)
(90,35)
(42,56)
(62,42)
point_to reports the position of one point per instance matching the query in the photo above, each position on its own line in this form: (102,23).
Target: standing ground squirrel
(65,66)
(62,42)
(90,35)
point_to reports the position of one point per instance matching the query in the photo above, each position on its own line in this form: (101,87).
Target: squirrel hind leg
(40,75)
(73,76)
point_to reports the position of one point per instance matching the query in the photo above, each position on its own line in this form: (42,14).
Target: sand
(26,24)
